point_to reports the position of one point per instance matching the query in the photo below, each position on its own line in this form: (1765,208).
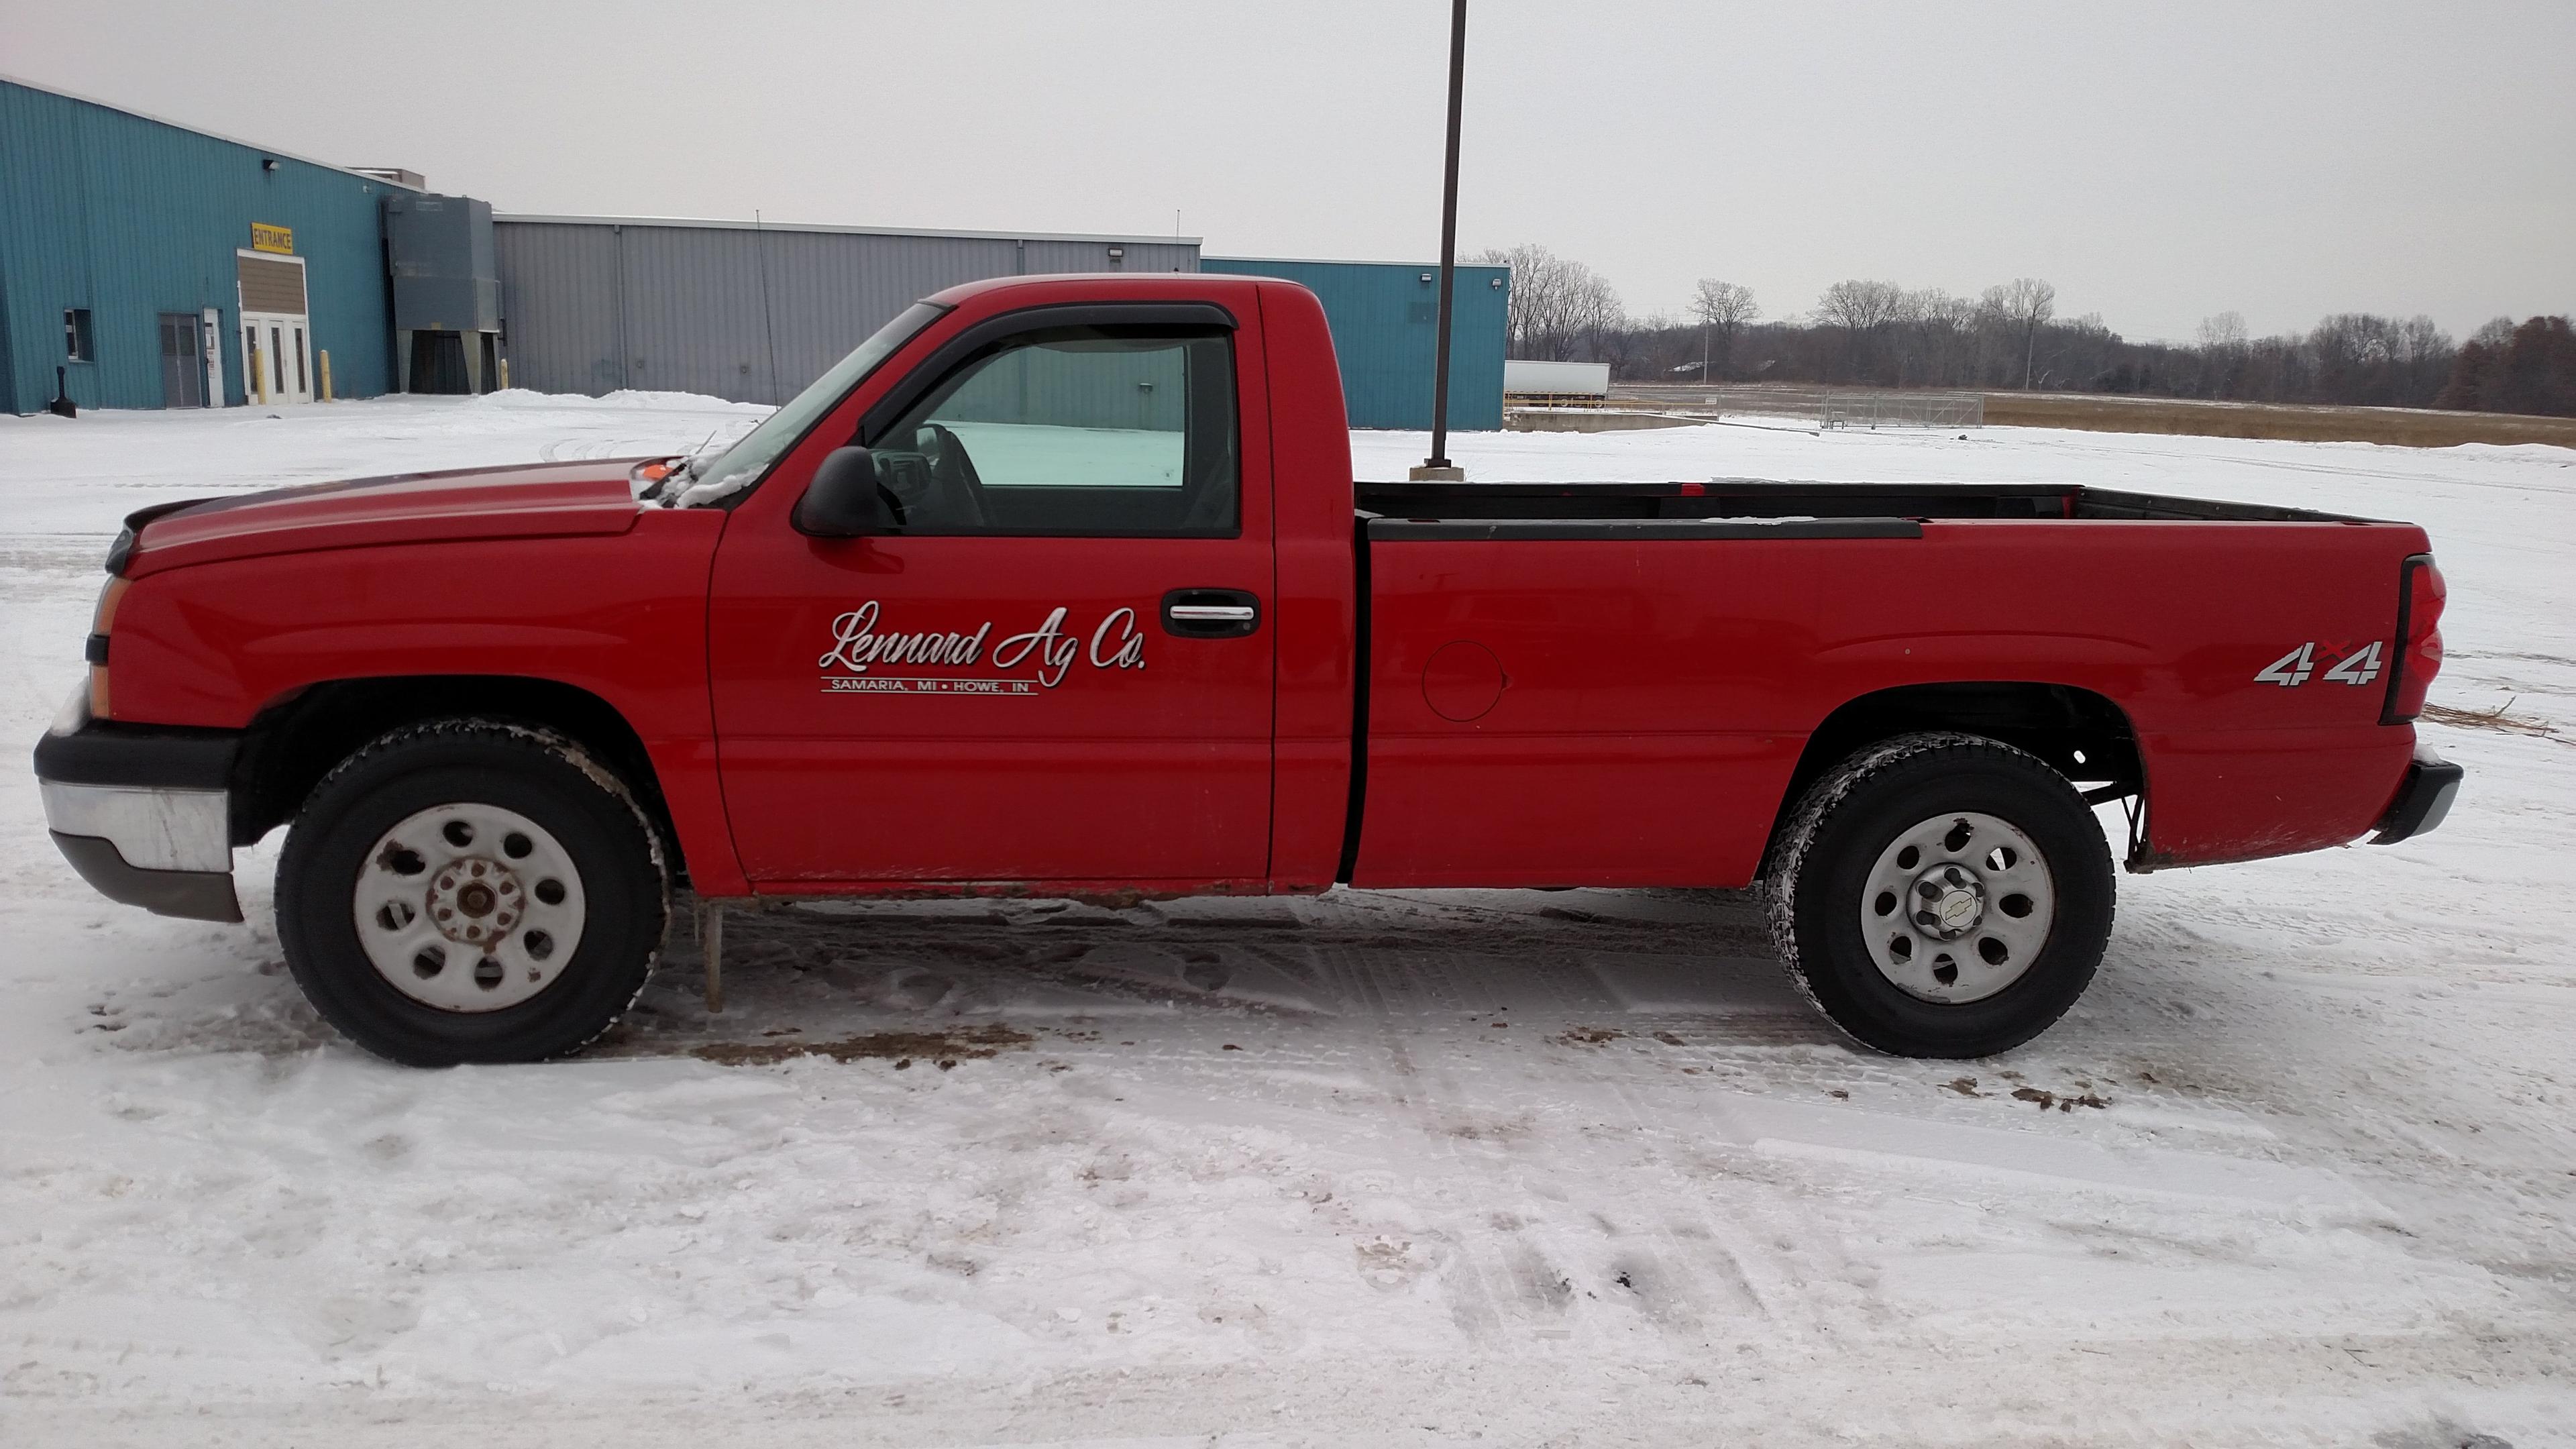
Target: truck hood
(545,500)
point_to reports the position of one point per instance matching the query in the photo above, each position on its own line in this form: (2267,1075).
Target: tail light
(101,624)
(2420,595)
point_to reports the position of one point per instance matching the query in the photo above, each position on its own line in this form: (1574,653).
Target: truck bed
(1749,501)
(1660,656)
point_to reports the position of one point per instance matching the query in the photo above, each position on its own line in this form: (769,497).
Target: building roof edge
(16,80)
(720,223)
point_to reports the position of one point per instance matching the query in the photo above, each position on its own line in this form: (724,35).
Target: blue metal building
(1385,321)
(129,247)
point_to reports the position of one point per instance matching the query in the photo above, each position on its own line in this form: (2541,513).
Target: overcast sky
(2158,162)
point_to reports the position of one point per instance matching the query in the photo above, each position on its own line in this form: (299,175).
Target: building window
(76,343)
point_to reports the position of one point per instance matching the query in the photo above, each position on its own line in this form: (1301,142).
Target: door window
(301,386)
(1097,431)
(276,360)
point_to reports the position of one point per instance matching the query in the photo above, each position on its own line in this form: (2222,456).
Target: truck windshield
(743,464)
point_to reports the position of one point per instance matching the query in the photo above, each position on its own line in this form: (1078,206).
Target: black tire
(1820,870)
(535,773)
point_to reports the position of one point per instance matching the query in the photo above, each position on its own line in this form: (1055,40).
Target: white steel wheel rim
(469,907)
(1957,907)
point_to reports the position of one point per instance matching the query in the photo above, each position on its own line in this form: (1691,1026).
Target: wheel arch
(293,742)
(2081,734)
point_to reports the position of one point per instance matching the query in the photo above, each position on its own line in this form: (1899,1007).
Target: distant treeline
(1878,334)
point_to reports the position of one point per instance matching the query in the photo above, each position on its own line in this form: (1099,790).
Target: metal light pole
(1437,467)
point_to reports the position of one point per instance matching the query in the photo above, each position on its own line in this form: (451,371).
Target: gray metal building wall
(1147,390)
(732,310)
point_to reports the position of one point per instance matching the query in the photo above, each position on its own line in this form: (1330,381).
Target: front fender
(620,617)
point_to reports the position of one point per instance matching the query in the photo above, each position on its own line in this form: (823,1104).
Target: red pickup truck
(1062,586)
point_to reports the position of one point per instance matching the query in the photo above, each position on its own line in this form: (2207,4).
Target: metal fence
(1830,406)
(1905,410)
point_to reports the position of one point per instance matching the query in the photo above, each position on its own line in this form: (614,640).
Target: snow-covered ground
(1401,1168)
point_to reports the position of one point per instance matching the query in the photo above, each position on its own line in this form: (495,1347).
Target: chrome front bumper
(151,829)
(143,813)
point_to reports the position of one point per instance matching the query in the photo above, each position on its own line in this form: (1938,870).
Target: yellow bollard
(505,374)
(258,376)
(326,375)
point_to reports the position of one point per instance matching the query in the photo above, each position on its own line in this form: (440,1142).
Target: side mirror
(842,501)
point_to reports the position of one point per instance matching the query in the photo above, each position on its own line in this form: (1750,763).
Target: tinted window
(1117,430)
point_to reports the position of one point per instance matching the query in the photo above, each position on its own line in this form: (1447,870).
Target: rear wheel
(1941,895)
(468,891)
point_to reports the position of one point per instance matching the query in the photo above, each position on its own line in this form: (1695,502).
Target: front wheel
(470,891)
(1941,895)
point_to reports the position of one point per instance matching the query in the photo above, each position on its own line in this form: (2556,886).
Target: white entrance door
(276,330)
(277,356)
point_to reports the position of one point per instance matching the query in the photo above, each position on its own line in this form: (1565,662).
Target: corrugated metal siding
(438,250)
(1048,255)
(1078,389)
(734,312)
(8,350)
(562,306)
(132,218)
(269,284)
(1385,332)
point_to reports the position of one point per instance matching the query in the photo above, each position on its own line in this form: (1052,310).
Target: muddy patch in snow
(945,1049)
(2046,1099)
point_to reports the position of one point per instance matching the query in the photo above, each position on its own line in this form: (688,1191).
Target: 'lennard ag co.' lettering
(857,646)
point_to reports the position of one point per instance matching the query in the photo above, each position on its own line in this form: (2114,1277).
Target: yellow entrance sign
(266,238)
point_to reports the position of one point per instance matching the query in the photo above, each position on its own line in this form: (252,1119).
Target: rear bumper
(143,812)
(2422,799)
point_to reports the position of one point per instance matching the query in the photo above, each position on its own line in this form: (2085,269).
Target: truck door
(1056,665)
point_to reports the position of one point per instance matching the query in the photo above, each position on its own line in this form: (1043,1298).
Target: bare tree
(1932,330)
(2011,335)
(1597,314)
(2424,353)
(1723,309)
(2222,353)
(1860,306)
(2224,329)
(1558,305)
(1862,310)
(1538,288)
(2080,352)
(2025,304)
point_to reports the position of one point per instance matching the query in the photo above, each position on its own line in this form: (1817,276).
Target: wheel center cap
(476,901)
(1949,900)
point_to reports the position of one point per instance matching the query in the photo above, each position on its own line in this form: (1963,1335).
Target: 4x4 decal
(857,648)
(2354,666)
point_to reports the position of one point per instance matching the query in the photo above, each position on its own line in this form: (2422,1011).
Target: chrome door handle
(1210,613)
